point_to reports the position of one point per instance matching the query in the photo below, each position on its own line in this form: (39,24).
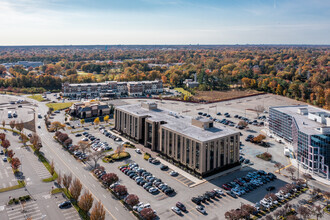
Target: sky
(112,22)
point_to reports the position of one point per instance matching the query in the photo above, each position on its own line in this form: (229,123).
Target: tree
(259,138)
(242,123)
(86,201)
(52,168)
(59,179)
(24,138)
(5,144)
(132,200)
(97,121)
(75,189)
(96,156)
(259,109)
(2,136)
(269,217)
(307,177)
(247,210)
(19,126)
(292,217)
(304,212)
(98,212)
(106,118)
(120,190)
(67,180)
(148,213)
(50,110)
(291,170)
(56,126)
(287,207)
(15,163)
(3,123)
(10,153)
(318,211)
(84,146)
(36,142)
(109,178)
(82,121)
(120,149)
(326,194)
(279,166)
(12,124)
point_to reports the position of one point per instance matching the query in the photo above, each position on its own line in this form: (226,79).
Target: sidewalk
(317,178)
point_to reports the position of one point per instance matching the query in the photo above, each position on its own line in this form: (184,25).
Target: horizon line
(73,45)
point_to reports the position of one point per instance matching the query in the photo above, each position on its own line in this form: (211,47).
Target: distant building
(89,109)
(112,88)
(25,64)
(193,142)
(307,128)
(190,83)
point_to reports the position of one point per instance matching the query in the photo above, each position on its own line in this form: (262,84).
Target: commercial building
(111,89)
(307,128)
(193,142)
(89,109)
(25,64)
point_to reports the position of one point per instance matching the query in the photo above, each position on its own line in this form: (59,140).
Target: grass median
(38,98)
(59,106)
(20,184)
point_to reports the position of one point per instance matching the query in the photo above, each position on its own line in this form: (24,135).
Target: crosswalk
(70,213)
(30,210)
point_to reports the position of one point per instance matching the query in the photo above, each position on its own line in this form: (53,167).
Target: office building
(93,109)
(111,89)
(307,128)
(193,142)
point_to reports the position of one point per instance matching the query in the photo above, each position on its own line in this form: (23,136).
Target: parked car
(176,210)
(137,150)
(65,205)
(181,206)
(173,173)
(201,209)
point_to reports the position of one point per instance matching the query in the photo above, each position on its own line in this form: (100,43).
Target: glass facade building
(307,129)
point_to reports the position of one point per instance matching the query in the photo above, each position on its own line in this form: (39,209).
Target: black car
(181,206)
(78,135)
(270,188)
(219,113)
(163,167)
(196,200)
(200,113)
(65,205)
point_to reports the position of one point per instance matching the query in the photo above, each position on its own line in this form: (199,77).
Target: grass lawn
(36,97)
(59,106)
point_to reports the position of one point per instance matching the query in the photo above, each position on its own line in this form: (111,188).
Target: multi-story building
(111,88)
(193,142)
(25,64)
(307,128)
(89,109)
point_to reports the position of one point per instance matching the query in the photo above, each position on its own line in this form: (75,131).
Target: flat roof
(304,124)
(179,123)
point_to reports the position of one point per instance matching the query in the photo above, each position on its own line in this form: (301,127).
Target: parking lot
(215,208)
(19,110)
(7,177)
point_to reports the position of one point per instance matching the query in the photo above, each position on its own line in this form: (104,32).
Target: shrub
(265,156)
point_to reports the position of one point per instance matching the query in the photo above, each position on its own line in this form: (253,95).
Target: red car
(226,187)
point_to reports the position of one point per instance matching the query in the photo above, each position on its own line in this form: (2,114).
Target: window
(149,132)
(212,155)
(179,147)
(187,151)
(222,153)
(163,140)
(197,156)
(170,143)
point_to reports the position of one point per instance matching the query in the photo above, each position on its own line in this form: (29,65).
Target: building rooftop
(179,123)
(303,115)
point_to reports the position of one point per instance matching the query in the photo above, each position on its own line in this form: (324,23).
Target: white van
(9,114)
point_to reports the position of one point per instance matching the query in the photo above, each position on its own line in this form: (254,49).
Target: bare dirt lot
(223,95)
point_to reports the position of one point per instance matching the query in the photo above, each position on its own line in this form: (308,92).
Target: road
(65,163)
